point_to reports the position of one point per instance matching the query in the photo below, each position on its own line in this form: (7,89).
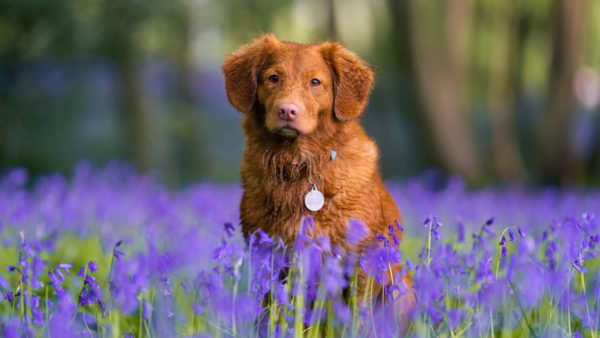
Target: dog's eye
(273,78)
(315,82)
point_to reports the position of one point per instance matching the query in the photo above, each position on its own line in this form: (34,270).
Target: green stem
(272,304)
(298,319)
(512,286)
(47,314)
(372,281)
(491,324)
(429,244)
(354,301)
(140,332)
(569,306)
(587,309)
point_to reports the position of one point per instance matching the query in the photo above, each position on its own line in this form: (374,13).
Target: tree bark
(402,36)
(441,69)
(556,162)
(331,18)
(503,83)
(189,143)
(136,115)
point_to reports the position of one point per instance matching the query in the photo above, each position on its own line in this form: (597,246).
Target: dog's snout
(288,111)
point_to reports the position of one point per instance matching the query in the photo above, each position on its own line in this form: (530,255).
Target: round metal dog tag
(314,200)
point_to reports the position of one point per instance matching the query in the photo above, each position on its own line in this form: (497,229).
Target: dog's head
(295,85)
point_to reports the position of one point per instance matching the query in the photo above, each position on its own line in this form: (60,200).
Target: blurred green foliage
(492,90)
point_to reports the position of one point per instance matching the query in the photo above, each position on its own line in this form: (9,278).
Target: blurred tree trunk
(331,24)
(119,21)
(502,90)
(556,161)
(440,52)
(190,137)
(136,115)
(401,39)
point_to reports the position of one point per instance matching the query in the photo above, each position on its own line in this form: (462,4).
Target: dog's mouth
(287,131)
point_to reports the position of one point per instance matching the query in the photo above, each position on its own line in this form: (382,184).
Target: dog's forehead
(298,57)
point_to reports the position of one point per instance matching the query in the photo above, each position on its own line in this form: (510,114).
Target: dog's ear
(352,80)
(241,69)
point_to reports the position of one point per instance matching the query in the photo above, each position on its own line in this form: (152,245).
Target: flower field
(111,252)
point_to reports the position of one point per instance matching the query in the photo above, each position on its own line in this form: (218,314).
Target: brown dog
(301,104)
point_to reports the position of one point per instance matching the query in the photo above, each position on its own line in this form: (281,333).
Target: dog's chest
(279,208)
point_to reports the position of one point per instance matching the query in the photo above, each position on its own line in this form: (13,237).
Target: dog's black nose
(288,111)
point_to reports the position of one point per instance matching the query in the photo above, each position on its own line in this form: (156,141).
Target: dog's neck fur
(280,154)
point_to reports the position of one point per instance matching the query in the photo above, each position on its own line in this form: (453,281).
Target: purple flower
(578,265)
(93,267)
(117,253)
(65,266)
(55,282)
(3,283)
(399,226)
(197,308)
(147,309)
(503,241)
(38,317)
(511,235)
(484,270)
(455,318)
(433,223)
(356,232)
(61,276)
(461,232)
(229,229)
(264,238)
(333,281)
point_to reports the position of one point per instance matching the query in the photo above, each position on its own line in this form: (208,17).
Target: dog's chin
(288,131)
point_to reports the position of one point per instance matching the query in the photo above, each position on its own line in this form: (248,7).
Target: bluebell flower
(455,318)
(461,232)
(92,266)
(578,265)
(356,232)
(229,229)
(333,280)
(503,241)
(118,253)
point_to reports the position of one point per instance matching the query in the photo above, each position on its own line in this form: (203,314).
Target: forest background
(494,91)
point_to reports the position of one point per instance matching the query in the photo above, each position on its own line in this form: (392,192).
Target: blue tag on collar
(333,155)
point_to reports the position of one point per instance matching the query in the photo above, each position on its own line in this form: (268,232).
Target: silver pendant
(314,200)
